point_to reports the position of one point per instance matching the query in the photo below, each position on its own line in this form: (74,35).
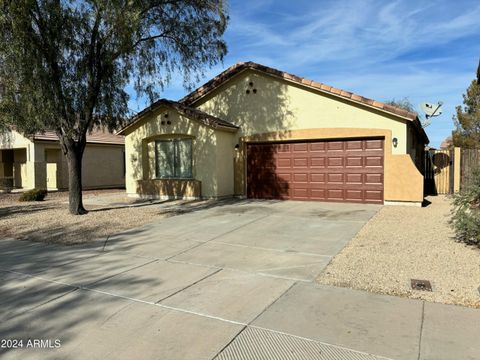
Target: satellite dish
(431,110)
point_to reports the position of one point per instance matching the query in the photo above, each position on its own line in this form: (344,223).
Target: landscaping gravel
(49,220)
(401,243)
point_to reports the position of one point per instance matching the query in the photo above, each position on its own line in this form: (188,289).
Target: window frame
(174,141)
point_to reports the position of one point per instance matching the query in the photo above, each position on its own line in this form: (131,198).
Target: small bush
(33,195)
(466,212)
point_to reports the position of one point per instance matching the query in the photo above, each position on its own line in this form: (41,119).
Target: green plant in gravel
(466,212)
(33,195)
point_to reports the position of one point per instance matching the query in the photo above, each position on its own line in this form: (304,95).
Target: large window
(173,159)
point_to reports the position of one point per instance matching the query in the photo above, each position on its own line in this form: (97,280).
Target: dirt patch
(401,243)
(49,221)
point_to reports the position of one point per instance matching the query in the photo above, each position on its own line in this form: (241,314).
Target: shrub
(466,212)
(33,195)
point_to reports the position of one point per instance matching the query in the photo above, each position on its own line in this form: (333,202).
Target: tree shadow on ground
(13,210)
(34,308)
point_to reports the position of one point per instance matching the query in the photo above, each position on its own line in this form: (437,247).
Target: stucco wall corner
(403,181)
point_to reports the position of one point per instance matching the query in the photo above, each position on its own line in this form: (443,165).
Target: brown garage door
(330,170)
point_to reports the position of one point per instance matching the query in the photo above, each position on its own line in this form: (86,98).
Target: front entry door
(51,176)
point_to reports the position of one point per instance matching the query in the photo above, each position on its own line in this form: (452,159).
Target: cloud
(423,50)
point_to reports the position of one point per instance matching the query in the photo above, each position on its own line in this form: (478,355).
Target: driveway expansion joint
(44,303)
(105,243)
(242,271)
(421,331)
(184,251)
(230,342)
(120,273)
(188,286)
(215,237)
(287,251)
(272,303)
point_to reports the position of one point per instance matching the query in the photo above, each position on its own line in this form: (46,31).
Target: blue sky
(422,50)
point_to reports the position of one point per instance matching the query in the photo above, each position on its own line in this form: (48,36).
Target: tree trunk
(74,158)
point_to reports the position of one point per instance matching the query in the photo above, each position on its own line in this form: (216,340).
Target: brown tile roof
(98,136)
(241,66)
(187,111)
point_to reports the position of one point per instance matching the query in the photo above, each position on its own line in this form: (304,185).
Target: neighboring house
(262,133)
(447,143)
(38,162)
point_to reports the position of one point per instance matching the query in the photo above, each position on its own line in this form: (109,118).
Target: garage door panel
(352,178)
(300,177)
(353,195)
(335,194)
(335,145)
(373,161)
(300,162)
(317,194)
(283,176)
(282,148)
(335,162)
(354,161)
(374,195)
(300,147)
(317,162)
(373,178)
(374,144)
(356,145)
(284,163)
(317,178)
(301,193)
(348,170)
(317,147)
(335,178)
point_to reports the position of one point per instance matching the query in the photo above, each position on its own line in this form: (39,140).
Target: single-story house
(258,132)
(38,162)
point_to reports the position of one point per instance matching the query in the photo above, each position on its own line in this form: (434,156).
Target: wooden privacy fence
(470,159)
(449,171)
(439,171)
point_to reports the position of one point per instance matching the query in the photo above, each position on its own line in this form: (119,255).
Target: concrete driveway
(232,281)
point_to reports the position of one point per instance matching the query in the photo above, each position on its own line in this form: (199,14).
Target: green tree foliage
(466,212)
(404,104)
(65,64)
(478,73)
(467,119)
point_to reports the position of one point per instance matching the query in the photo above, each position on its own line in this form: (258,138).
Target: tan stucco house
(262,133)
(38,162)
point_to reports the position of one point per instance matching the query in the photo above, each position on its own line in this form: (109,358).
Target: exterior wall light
(395,142)
(237,147)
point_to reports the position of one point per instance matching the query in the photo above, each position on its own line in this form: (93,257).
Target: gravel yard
(401,243)
(49,220)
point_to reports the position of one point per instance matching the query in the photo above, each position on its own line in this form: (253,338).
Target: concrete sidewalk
(215,284)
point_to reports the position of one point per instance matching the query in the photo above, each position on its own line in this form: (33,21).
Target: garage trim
(402,180)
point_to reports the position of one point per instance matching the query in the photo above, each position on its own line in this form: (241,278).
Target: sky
(426,51)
